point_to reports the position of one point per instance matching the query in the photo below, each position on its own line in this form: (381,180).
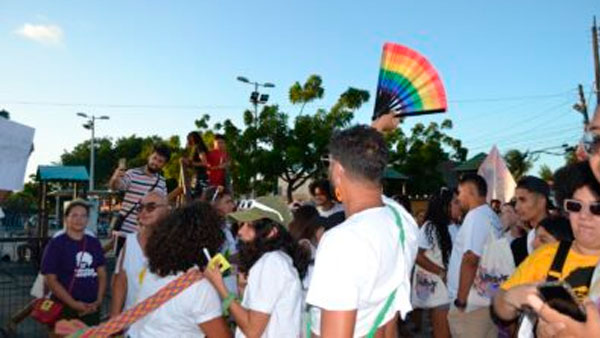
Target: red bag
(46,310)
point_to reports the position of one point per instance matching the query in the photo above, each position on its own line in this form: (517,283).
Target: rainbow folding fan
(408,84)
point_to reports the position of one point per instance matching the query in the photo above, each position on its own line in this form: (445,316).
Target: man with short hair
(218,161)
(323,198)
(532,199)
(479,222)
(137,182)
(132,259)
(361,264)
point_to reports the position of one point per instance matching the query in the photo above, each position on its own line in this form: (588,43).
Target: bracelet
(227,303)
(459,304)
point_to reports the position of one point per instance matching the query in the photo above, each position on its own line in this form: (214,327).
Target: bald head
(154,208)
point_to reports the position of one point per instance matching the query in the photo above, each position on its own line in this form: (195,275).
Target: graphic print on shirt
(84,265)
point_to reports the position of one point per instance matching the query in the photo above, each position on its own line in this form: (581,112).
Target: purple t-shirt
(63,253)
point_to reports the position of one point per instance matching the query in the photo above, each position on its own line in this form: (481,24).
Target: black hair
(362,151)
(162,150)
(534,184)
(477,181)
(250,253)
(77,203)
(404,201)
(559,227)
(197,141)
(305,223)
(219,137)
(438,216)
(571,178)
(324,186)
(177,241)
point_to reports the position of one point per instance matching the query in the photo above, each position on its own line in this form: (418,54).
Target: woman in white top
(274,266)
(176,245)
(435,246)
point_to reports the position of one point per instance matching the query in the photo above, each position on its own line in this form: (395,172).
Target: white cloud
(46,34)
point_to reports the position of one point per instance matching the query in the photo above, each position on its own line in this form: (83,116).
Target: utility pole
(596,61)
(581,106)
(91,125)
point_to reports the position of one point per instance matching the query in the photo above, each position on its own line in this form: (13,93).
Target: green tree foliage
(421,154)
(276,148)
(546,173)
(518,163)
(5,114)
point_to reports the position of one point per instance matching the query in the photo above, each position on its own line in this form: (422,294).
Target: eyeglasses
(254,204)
(577,206)
(590,142)
(149,207)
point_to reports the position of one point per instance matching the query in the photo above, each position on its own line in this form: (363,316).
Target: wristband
(227,303)
(459,304)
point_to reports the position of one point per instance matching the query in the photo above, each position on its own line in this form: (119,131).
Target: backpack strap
(560,257)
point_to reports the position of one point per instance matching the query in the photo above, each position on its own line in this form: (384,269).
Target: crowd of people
(350,263)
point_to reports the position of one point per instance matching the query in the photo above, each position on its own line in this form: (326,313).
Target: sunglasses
(254,204)
(577,206)
(149,207)
(590,142)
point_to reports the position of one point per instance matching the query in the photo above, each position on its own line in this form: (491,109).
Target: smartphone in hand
(560,297)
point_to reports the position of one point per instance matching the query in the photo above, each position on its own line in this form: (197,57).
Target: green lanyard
(389,301)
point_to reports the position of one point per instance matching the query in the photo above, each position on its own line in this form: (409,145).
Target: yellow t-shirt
(577,270)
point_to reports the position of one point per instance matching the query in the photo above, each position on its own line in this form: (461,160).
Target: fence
(16,279)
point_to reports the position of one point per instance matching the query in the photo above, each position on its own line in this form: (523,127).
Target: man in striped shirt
(137,182)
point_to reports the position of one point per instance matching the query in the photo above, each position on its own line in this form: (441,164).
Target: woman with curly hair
(435,246)
(176,245)
(274,265)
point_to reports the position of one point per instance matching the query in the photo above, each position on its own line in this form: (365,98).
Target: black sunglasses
(149,207)
(577,206)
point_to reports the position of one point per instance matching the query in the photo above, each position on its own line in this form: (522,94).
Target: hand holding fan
(408,84)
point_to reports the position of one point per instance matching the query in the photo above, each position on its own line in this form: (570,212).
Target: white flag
(501,184)
(15,145)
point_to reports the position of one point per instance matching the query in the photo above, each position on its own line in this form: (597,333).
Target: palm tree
(518,163)
(546,173)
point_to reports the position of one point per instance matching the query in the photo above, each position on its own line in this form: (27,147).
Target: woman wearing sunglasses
(274,264)
(571,262)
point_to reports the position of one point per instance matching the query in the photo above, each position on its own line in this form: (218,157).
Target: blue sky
(510,68)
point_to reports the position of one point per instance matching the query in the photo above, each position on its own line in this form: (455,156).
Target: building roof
(62,173)
(391,174)
(472,164)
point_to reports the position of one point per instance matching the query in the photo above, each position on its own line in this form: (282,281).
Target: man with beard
(274,265)
(136,183)
(132,259)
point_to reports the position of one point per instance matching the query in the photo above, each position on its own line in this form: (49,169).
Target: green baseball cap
(270,207)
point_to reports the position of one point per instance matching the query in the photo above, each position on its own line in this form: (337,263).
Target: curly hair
(438,217)
(176,243)
(250,253)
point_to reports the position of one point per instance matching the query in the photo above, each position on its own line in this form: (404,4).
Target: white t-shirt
(471,237)
(337,207)
(359,264)
(134,262)
(181,315)
(274,287)
(530,239)
(429,290)
(453,230)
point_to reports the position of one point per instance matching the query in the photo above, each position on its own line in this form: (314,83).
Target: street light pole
(91,124)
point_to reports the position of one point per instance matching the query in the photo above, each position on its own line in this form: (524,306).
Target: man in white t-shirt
(361,264)
(479,222)
(132,260)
